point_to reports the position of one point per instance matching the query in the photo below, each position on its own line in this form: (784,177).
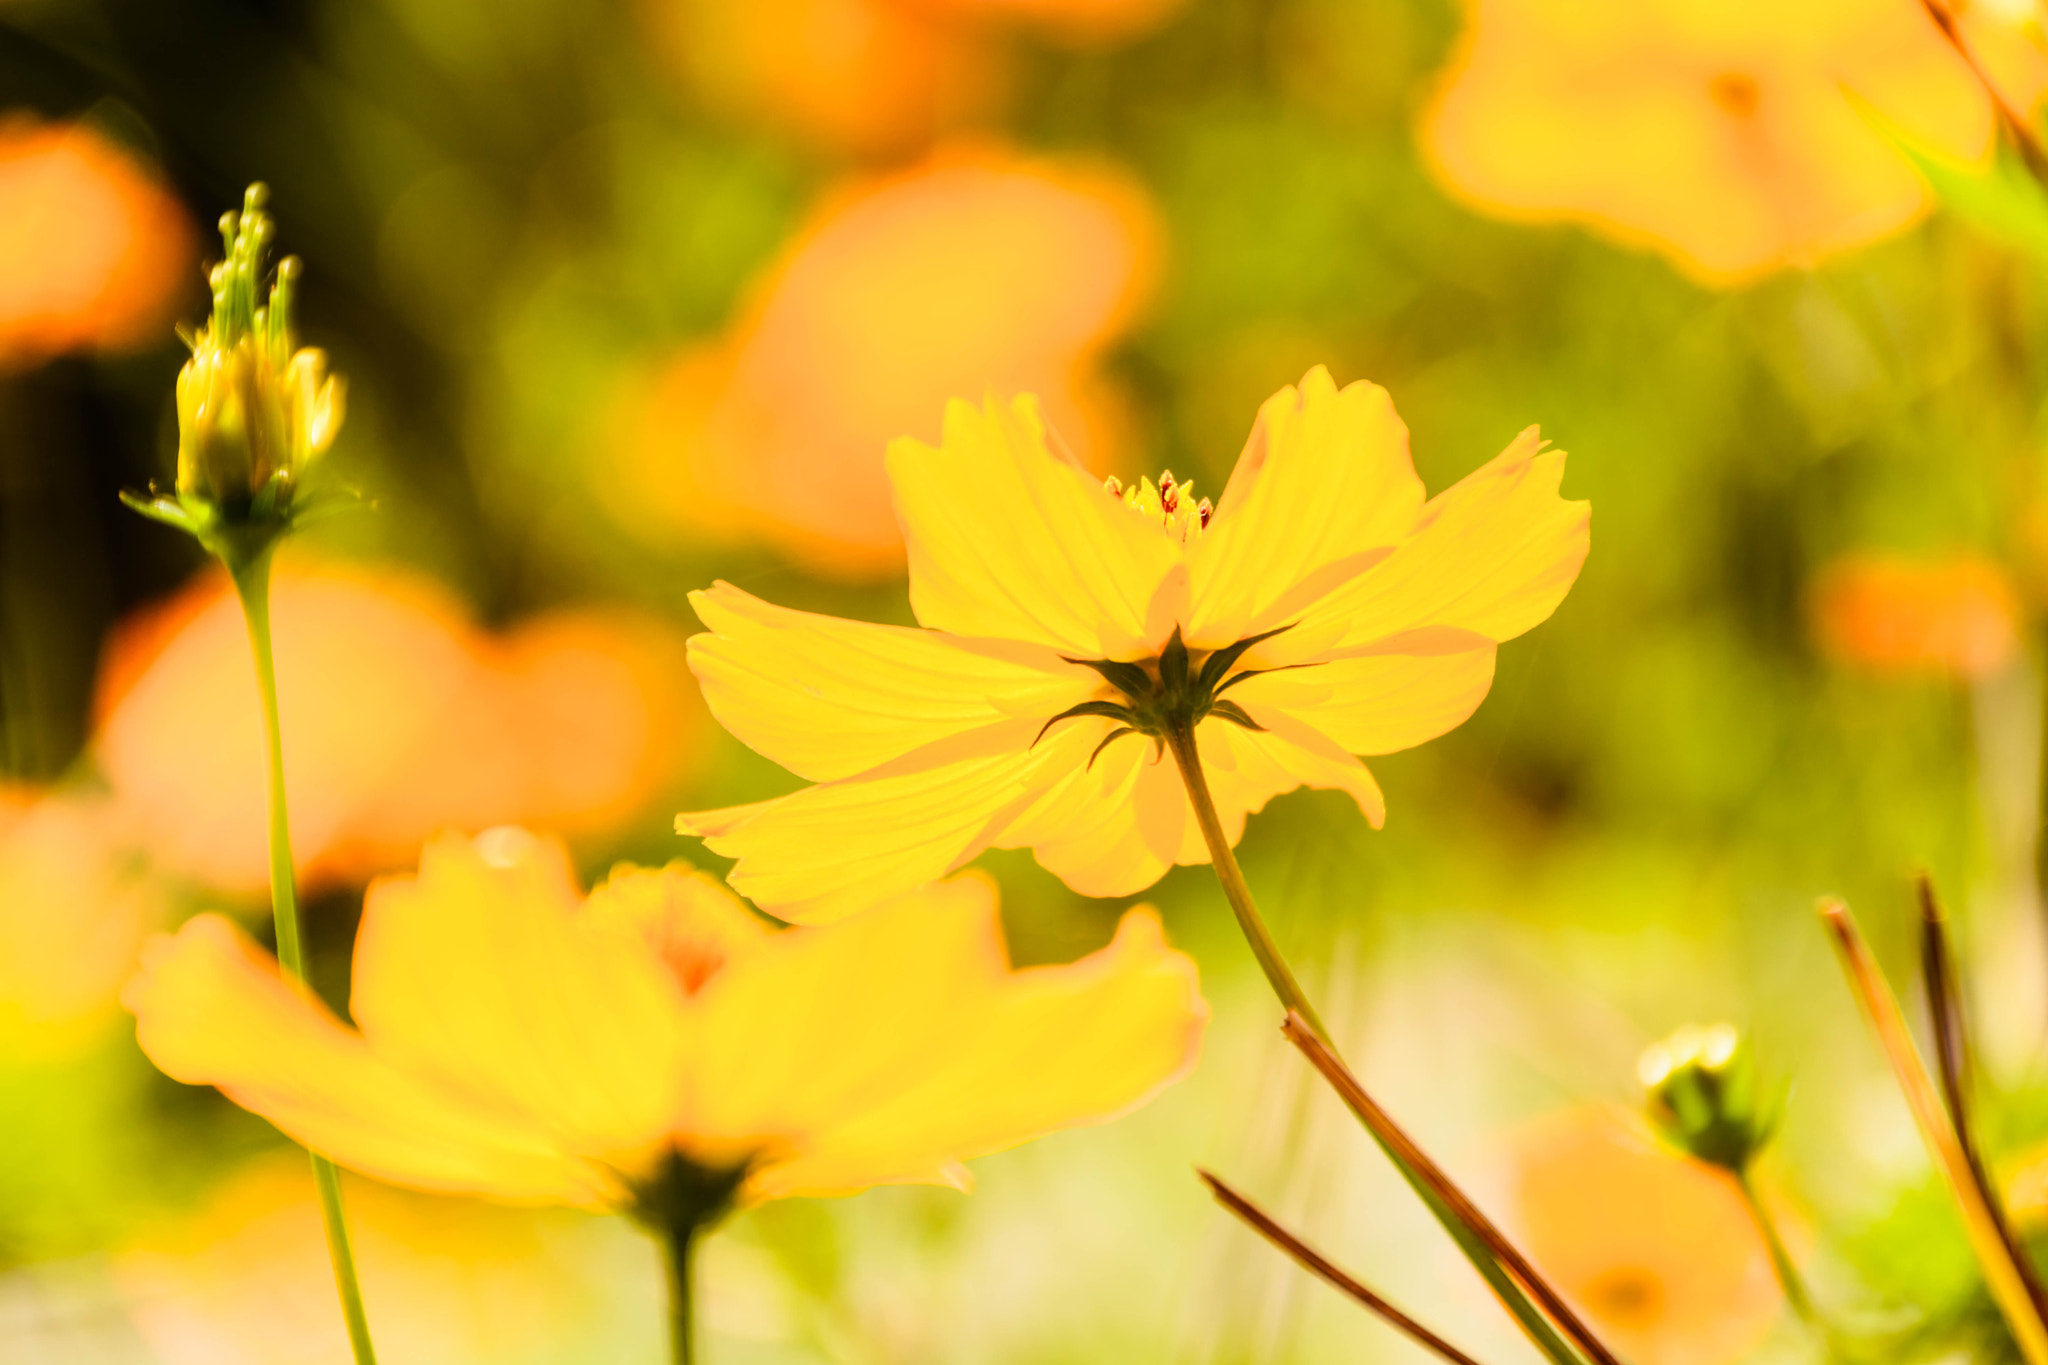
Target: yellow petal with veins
(212,1009)
(829,851)
(1324,479)
(1378,703)
(1490,557)
(482,974)
(829,698)
(1009,536)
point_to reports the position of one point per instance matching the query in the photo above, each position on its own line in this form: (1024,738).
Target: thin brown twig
(1953,1066)
(1382,1124)
(2016,126)
(1322,1267)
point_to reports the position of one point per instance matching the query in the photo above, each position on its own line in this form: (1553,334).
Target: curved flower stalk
(1322,608)
(655,1048)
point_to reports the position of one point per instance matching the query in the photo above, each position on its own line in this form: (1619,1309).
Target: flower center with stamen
(1170,503)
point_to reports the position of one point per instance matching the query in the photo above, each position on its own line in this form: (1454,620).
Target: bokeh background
(630,296)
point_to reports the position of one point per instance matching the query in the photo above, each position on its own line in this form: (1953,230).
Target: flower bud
(254,411)
(1703,1095)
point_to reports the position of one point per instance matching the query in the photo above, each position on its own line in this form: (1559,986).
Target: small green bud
(255,410)
(1704,1096)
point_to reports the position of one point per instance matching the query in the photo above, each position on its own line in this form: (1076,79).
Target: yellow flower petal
(1490,557)
(1325,480)
(916,1047)
(1106,829)
(828,698)
(212,1009)
(1286,755)
(825,1020)
(1009,536)
(828,851)
(481,975)
(1378,703)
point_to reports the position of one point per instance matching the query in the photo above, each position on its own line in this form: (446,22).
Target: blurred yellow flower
(1959,615)
(403,718)
(1352,616)
(1657,1250)
(1722,132)
(516,1040)
(975,271)
(74,906)
(93,250)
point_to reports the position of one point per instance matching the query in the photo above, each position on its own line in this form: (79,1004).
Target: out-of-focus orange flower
(400,719)
(1957,615)
(518,1040)
(245,1280)
(871,76)
(74,905)
(1722,132)
(93,250)
(975,272)
(1659,1251)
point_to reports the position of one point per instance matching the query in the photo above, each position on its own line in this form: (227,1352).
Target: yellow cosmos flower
(1321,608)
(656,1042)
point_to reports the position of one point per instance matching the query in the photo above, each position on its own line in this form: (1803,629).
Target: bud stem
(1180,739)
(1781,1259)
(252,585)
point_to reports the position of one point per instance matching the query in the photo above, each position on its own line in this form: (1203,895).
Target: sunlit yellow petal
(480,975)
(212,1009)
(1491,556)
(1090,828)
(887,1047)
(828,851)
(1324,480)
(828,698)
(829,1021)
(1287,754)
(1009,536)
(1378,703)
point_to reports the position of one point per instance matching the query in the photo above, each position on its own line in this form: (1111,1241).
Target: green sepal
(1130,679)
(1107,740)
(1111,709)
(1219,663)
(1173,665)
(1235,714)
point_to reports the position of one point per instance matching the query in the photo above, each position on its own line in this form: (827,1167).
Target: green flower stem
(1181,741)
(679,1247)
(1781,1259)
(252,584)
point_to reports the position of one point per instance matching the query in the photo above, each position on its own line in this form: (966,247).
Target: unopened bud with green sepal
(255,410)
(1704,1096)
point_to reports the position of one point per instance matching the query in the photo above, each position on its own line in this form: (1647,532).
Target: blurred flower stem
(1180,739)
(1781,1258)
(252,585)
(1976,1202)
